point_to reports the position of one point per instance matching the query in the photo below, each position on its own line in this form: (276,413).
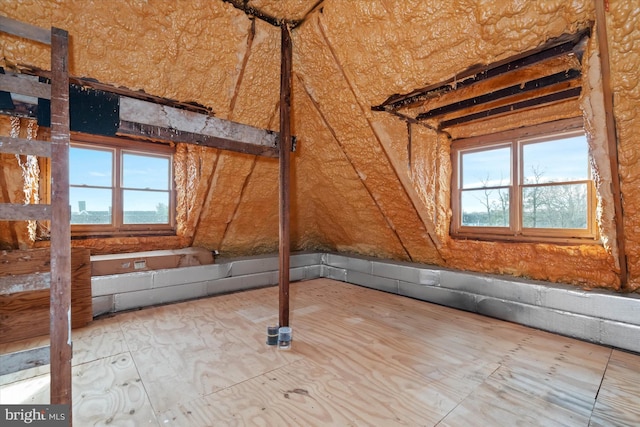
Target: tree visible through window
(533,187)
(117,188)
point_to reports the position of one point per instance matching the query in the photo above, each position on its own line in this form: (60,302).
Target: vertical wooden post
(60,300)
(612,139)
(284,173)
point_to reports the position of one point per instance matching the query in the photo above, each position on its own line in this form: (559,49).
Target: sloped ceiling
(356,187)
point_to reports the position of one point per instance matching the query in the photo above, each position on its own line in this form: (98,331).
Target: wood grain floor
(359,357)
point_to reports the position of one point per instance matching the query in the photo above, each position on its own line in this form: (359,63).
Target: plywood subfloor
(359,357)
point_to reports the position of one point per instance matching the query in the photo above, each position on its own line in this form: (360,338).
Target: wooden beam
(18,212)
(86,82)
(159,122)
(527,87)
(60,293)
(24,283)
(155,133)
(27,31)
(25,146)
(285,172)
(257,13)
(554,48)
(612,141)
(522,105)
(24,85)
(21,360)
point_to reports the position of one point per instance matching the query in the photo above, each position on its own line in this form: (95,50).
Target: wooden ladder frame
(60,349)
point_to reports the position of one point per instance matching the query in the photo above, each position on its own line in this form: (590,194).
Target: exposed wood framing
(244,6)
(25,85)
(553,80)
(286,52)
(21,360)
(22,29)
(510,108)
(159,119)
(612,140)
(143,119)
(162,134)
(60,299)
(24,283)
(85,82)
(19,212)
(25,314)
(32,147)
(557,47)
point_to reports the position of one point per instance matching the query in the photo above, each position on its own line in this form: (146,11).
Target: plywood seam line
(604,374)
(612,140)
(407,187)
(353,166)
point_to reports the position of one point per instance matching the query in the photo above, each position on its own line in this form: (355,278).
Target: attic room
(321,212)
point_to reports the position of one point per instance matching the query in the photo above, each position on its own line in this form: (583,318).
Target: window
(118,187)
(523,187)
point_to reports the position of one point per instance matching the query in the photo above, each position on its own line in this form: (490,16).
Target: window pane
(485,208)
(145,172)
(555,206)
(565,159)
(90,167)
(146,207)
(90,205)
(488,168)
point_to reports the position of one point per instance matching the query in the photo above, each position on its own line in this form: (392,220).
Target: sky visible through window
(559,160)
(94,168)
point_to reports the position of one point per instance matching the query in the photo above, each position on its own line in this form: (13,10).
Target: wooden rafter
(138,115)
(511,91)
(513,107)
(612,141)
(563,45)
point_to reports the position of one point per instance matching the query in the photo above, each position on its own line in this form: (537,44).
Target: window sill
(122,234)
(527,239)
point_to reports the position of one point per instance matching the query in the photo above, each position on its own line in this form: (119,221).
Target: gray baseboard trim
(598,316)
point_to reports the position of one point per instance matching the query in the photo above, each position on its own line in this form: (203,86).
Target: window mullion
(516,190)
(117,190)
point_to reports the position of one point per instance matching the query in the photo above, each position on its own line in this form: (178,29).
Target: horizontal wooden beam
(25,146)
(522,105)
(507,92)
(162,134)
(257,13)
(18,212)
(24,85)
(562,45)
(24,283)
(27,31)
(159,122)
(21,360)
